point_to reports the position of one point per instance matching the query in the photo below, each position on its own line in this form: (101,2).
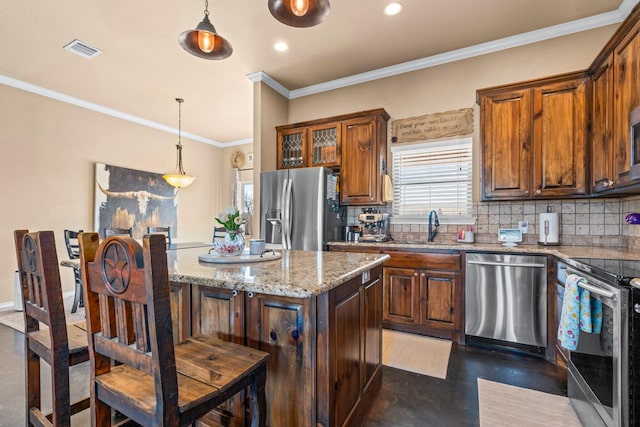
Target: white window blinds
(433,176)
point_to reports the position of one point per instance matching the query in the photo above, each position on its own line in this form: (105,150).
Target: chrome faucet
(434,223)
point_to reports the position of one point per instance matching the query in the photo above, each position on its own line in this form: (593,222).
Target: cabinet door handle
(250,294)
(423,275)
(538,192)
(234,293)
(415,274)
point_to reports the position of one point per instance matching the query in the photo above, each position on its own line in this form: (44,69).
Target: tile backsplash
(589,222)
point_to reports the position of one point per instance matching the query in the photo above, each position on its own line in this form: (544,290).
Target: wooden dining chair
(218,233)
(73,249)
(60,345)
(161,230)
(114,231)
(135,367)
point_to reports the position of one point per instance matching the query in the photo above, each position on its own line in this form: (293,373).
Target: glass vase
(232,244)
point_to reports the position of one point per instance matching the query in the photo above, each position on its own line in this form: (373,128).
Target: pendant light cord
(206,7)
(180,167)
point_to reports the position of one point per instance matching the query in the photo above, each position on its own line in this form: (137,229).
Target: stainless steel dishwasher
(506,298)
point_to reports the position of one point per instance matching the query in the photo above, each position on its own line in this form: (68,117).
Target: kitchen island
(319,315)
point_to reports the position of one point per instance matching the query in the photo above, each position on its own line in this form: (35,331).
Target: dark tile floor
(406,399)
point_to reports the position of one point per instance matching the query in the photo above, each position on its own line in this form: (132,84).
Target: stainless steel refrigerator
(299,209)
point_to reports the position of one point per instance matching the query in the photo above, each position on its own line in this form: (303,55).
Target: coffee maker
(375,226)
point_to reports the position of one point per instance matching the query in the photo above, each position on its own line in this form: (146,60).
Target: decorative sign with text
(433,126)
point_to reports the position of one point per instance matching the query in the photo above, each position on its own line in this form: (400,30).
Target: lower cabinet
(424,301)
(326,351)
(285,328)
(180,300)
(422,290)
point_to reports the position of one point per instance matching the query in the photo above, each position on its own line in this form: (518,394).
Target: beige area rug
(15,319)
(507,405)
(415,353)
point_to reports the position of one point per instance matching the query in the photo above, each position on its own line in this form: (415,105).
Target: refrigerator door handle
(288,214)
(283,216)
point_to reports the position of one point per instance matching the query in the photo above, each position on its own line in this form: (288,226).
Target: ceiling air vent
(82,49)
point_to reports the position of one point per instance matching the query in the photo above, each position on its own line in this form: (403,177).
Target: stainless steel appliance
(603,369)
(375,226)
(506,298)
(299,209)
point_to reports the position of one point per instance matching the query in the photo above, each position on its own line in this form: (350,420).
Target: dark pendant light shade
(299,13)
(204,42)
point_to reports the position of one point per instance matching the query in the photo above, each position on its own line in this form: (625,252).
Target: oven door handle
(593,289)
(598,291)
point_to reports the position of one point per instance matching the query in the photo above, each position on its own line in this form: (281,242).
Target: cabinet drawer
(431,261)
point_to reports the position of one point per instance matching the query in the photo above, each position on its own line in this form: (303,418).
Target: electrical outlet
(524,226)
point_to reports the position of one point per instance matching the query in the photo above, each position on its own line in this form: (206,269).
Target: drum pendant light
(299,13)
(179,177)
(204,42)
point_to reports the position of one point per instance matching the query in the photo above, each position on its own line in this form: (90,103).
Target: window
(433,176)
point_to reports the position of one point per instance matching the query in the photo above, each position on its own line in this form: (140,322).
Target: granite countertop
(562,252)
(299,274)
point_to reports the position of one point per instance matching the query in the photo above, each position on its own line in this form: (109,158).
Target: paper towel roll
(549,229)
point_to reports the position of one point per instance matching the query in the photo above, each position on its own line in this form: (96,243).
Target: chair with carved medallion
(135,367)
(58,344)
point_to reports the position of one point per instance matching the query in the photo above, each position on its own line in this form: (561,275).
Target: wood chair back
(60,345)
(114,231)
(161,230)
(135,366)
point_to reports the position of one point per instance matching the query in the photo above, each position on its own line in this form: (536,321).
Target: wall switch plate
(524,226)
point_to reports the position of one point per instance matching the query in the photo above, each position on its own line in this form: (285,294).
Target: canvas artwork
(131,198)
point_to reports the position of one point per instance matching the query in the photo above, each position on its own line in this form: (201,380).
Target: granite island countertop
(299,274)
(562,252)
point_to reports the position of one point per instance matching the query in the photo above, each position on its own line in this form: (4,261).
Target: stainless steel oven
(600,382)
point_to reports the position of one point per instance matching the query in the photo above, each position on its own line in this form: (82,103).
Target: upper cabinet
(353,145)
(364,154)
(534,139)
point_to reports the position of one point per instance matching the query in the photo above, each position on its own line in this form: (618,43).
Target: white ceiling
(142,68)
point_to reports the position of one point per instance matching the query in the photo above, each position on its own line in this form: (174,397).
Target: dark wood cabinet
(602,155)
(422,298)
(626,87)
(285,328)
(401,295)
(422,290)
(349,349)
(506,144)
(354,145)
(180,300)
(534,142)
(218,312)
(560,139)
(364,154)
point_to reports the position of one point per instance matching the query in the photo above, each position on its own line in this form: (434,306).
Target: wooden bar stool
(60,345)
(135,367)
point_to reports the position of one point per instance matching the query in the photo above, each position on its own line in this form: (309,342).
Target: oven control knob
(636,308)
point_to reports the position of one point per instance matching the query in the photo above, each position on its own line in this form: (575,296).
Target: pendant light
(179,178)
(204,42)
(299,13)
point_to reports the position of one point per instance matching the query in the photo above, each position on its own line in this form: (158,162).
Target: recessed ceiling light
(281,46)
(393,8)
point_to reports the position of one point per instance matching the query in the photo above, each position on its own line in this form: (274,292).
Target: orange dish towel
(387,189)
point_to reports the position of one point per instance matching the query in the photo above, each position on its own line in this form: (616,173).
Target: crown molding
(560,30)
(261,76)
(58,96)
